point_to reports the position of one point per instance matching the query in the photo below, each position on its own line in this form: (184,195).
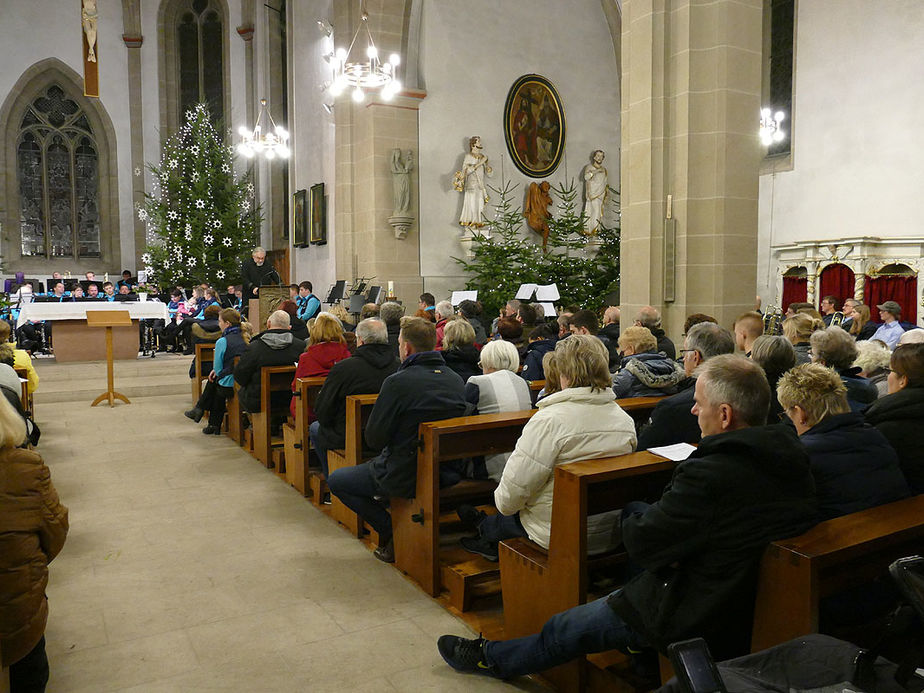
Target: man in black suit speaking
(255,272)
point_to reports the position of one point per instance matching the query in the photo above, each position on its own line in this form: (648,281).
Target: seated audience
(748,327)
(444,313)
(610,328)
(511,330)
(206,329)
(508,311)
(341,313)
(471,311)
(650,317)
(834,348)
(33,527)
(298,327)
(422,389)
(564,324)
(794,308)
(854,466)
(698,560)
(459,351)
(220,386)
(873,361)
(798,329)
(696,319)
(363,373)
(21,358)
(899,414)
(671,420)
(428,315)
(391,314)
(541,341)
(552,379)
(326,346)
(861,327)
(275,346)
(528,317)
(913,336)
(580,422)
(644,372)
(427,303)
(892,328)
(369,310)
(776,355)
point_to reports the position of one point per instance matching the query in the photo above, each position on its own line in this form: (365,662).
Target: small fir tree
(200,219)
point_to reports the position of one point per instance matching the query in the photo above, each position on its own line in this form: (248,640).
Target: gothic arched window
(200,70)
(57,164)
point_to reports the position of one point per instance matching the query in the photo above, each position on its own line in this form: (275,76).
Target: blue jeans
(319,451)
(356,488)
(496,528)
(584,629)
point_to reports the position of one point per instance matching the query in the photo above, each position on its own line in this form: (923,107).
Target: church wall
(856,169)
(471,53)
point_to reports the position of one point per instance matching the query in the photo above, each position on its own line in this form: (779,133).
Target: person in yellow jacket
(21,358)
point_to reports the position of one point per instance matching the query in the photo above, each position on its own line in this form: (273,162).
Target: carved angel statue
(536,209)
(474,168)
(594,191)
(88,17)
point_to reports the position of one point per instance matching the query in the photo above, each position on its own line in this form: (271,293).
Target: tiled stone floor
(189,567)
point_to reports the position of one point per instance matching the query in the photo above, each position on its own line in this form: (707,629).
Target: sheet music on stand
(548,310)
(458,296)
(541,293)
(336,292)
(359,285)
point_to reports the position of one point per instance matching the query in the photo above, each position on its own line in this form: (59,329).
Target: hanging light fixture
(270,143)
(371,73)
(771,127)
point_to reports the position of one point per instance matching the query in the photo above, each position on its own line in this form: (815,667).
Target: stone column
(136,121)
(691,85)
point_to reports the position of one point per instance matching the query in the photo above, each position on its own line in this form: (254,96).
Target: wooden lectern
(109,319)
(259,309)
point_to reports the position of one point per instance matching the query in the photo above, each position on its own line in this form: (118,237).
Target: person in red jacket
(326,346)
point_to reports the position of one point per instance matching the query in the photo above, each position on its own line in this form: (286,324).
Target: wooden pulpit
(270,298)
(109,319)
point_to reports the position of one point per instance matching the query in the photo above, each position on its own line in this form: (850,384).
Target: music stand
(109,319)
(375,294)
(357,301)
(336,292)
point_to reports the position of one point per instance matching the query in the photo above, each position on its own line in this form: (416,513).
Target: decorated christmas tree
(200,218)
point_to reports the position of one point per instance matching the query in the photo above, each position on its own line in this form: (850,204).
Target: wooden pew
(233,412)
(205,353)
(297,442)
(845,552)
(25,396)
(537,583)
(535,387)
(358,410)
(272,379)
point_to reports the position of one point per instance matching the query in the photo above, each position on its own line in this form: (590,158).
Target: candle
(391,288)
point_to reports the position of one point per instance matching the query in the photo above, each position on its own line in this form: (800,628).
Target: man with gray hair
(672,421)
(255,272)
(275,346)
(361,374)
(650,317)
(444,312)
(391,314)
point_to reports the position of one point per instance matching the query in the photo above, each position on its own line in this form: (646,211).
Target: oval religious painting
(534,126)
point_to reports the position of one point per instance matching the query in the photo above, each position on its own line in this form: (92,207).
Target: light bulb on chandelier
(366,74)
(272,143)
(771,127)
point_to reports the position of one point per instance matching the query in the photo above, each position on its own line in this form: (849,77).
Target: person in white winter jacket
(581,422)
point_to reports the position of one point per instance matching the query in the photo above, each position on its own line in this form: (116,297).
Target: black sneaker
(465,655)
(483,548)
(325,500)
(195,414)
(386,552)
(212,431)
(470,515)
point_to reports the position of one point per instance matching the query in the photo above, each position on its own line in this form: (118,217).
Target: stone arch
(168,63)
(33,81)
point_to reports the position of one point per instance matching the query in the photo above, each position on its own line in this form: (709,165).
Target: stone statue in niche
(536,209)
(594,175)
(401,167)
(88,17)
(470,182)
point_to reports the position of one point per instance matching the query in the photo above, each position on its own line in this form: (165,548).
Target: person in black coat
(671,421)
(899,416)
(542,340)
(275,346)
(459,350)
(296,325)
(854,466)
(650,317)
(423,389)
(776,355)
(256,272)
(362,373)
(391,314)
(835,348)
(698,547)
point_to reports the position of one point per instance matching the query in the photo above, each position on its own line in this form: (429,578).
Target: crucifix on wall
(90,48)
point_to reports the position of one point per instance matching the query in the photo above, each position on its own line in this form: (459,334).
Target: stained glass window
(200,70)
(58,172)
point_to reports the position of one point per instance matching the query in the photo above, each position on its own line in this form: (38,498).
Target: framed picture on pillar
(317,216)
(534,126)
(300,219)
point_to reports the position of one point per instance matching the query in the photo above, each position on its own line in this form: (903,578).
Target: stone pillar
(136,121)
(691,85)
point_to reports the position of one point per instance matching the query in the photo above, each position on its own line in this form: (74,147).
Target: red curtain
(902,289)
(836,280)
(795,290)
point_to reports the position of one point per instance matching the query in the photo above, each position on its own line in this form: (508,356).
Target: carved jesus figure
(88,15)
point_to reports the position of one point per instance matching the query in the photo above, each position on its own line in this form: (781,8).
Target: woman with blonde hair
(798,329)
(326,346)
(644,372)
(581,422)
(854,466)
(33,527)
(459,350)
(861,327)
